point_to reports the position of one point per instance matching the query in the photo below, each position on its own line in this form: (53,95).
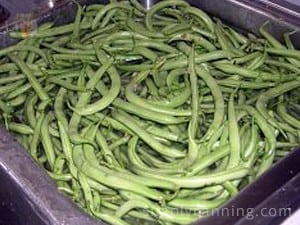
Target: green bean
(250,148)
(122,141)
(112,93)
(29,110)
(192,153)
(149,182)
(234,136)
(94,7)
(218,99)
(214,138)
(140,29)
(25,48)
(197,39)
(202,16)
(7,67)
(232,69)
(204,162)
(175,101)
(110,219)
(231,37)
(20,90)
(132,97)
(36,136)
(203,32)
(92,36)
(138,164)
(6,108)
(5,80)
(147,53)
(229,82)
(288,42)
(62,125)
(71,57)
(165,214)
(165,134)
(60,177)
(276,44)
(127,121)
(196,204)
(223,42)
(238,36)
(46,140)
(230,188)
(33,81)
(287,66)
(246,58)
(285,52)
(272,93)
(258,62)
(158,7)
(50,32)
(133,213)
(204,180)
(65,84)
(109,157)
(270,137)
(76,29)
(20,128)
(183,47)
(206,57)
(176,28)
(106,9)
(285,116)
(153,161)
(108,121)
(61,41)
(193,148)
(83,99)
(143,112)
(10,87)
(69,51)
(148,44)
(173,13)
(138,6)
(89,150)
(17,100)
(112,181)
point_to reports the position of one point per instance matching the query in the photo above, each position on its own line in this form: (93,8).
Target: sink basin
(4,14)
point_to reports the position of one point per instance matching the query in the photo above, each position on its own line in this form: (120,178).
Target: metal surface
(4,14)
(250,15)
(289,4)
(268,188)
(32,196)
(281,5)
(295,2)
(36,12)
(287,198)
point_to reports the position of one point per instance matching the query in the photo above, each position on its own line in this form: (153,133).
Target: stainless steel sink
(31,196)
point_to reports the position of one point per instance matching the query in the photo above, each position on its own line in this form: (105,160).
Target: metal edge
(35,192)
(254,194)
(38,189)
(287,197)
(249,16)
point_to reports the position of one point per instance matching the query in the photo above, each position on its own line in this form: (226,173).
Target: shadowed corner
(7,215)
(4,14)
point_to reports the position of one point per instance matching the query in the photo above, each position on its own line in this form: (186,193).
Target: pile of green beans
(155,115)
